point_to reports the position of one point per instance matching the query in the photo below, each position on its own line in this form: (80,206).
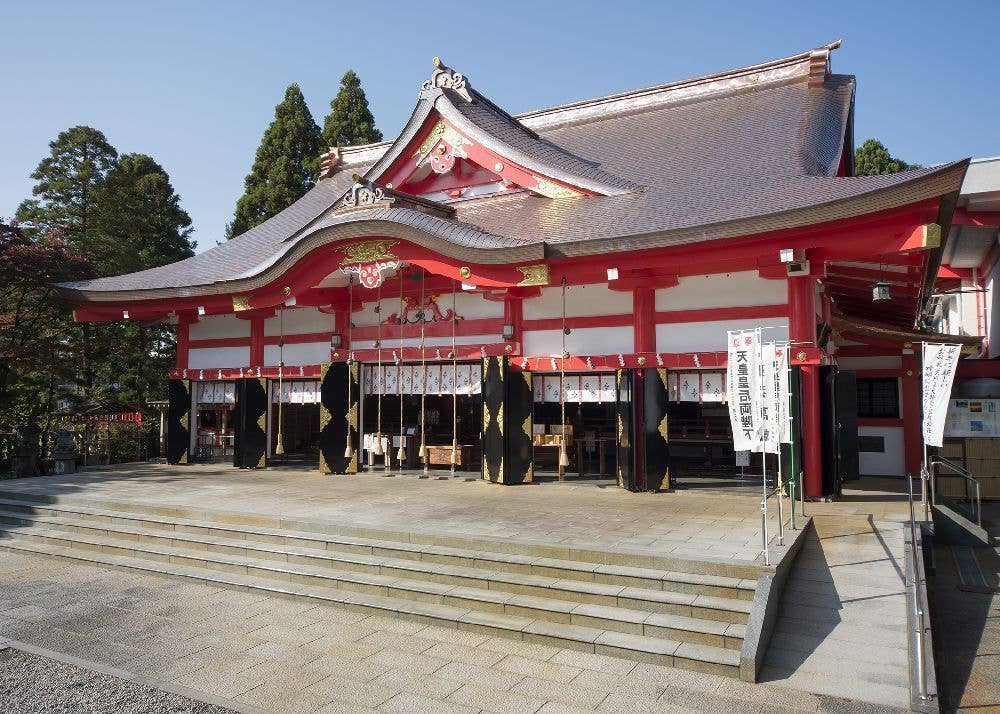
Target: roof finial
(446,78)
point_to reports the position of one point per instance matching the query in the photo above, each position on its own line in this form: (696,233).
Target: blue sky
(194,84)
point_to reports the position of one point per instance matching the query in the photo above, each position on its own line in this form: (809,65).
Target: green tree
(68,179)
(350,121)
(139,222)
(285,167)
(873,159)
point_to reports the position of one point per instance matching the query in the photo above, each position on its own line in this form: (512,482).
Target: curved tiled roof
(733,154)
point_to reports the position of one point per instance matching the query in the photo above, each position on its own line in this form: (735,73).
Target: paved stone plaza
(594,514)
(838,646)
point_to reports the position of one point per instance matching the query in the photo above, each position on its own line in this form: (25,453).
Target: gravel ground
(29,683)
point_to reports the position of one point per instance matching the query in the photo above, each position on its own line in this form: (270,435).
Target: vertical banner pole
(791,431)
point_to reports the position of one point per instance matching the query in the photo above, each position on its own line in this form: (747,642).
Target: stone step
(655,649)
(570,551)
(551,585)
(694,583)
(706,619)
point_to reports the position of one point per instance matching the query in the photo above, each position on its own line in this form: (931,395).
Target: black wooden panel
(625,429)
(656,448)
(178,421)
(846,405)
(518,412)
(335,413)
(250,441)
(494,373)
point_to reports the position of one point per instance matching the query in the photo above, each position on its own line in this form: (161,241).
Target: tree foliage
(350,121)
(139,221)
(285,167)
(873,159)
(37,352)
(93,214)
(67,180)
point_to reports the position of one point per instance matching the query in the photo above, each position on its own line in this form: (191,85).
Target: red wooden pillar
(913,451)
(256,341)
(183,340)
(802,333)
(513,313)
(644,324)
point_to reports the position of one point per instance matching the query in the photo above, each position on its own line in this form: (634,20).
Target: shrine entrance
(449,396)
(590,429)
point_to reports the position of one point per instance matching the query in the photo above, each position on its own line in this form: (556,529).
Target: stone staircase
(683,613)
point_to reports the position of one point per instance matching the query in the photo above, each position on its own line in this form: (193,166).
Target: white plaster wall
(581,301)
(298,354)
(472,306)
(391,344)
(581,341)
(746,287)
(300,320)
(857,363)
(214,326)
(890,463)
(711,336)
(218,357)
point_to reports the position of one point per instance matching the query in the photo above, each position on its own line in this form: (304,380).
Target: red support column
(913,440)
(802,333)
(644,325)
(513,314)
(183,341)
(257,342)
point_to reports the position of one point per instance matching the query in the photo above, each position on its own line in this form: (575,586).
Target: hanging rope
(379,451)
(349,451)
(401,453)
(279,448)
(454,378)
(563,457)
(423,377)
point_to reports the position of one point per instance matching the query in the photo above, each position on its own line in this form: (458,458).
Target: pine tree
(139,218)
(285,167)
(68,179)
(873,159)
(350,121)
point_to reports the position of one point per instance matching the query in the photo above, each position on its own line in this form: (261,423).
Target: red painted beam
(964,217)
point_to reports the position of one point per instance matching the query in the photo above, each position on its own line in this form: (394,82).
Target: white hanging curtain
(702,386)
(296,392)
(216,393)
(594,387)
(410,379)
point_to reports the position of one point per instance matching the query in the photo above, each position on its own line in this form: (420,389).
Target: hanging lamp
(563,456)
(881,288)
(349,450)
(401,452)
(379,451)
(279,448)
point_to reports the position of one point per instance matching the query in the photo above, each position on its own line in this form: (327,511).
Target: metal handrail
(977,504)
(918,610)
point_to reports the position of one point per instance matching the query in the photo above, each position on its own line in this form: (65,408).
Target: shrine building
(549,293)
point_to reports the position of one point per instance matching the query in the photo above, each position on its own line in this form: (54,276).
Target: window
(878,397)
(871,444)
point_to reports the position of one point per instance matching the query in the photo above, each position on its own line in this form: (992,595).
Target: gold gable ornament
(534,274)
(369,251)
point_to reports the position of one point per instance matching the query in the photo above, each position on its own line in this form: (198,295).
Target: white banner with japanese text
(743,376)
(938,373)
